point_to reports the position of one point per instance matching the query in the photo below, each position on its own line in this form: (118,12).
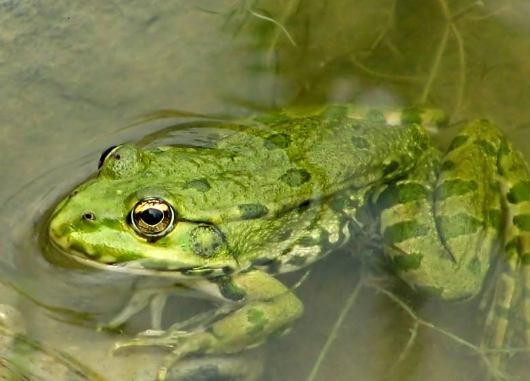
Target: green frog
(279,191)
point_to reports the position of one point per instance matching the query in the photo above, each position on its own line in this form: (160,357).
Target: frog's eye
(152,217)
(109,151)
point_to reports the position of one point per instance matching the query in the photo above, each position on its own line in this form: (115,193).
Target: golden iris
(152,217)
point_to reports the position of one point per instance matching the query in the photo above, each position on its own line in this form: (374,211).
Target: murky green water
(75,75)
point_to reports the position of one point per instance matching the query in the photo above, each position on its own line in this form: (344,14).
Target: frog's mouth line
(132,267)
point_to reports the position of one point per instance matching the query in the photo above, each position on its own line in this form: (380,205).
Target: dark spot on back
(277,141)
(283,235)
(488,148)
(295,177)
(375,116)
(359,142)
(202,185)
(252,211)
(355,125)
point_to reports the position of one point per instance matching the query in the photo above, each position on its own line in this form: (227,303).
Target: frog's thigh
(269,309)
(441,238)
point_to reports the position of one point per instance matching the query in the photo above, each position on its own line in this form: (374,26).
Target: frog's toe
(199,342)
(191,346)
(153,338)
(152,333)
(181,343)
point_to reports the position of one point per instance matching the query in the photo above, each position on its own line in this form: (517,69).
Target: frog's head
(125,218)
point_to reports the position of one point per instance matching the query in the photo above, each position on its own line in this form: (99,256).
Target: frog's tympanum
(280,191)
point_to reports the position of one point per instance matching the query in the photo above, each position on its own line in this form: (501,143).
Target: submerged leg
(515,186)
(443,225)
(146,291)
(266,308)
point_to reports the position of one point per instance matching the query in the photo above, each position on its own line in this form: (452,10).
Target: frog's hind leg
(444,224)
(441,224)
(498,320)
(515,186)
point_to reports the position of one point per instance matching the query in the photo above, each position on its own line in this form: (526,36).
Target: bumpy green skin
(280,191)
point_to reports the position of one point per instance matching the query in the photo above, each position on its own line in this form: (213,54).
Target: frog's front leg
(147,291)
(266,308)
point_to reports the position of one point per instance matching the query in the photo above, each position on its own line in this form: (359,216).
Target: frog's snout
(56,233)
(64,223)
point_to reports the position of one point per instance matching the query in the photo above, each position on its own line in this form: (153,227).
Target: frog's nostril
(89,216)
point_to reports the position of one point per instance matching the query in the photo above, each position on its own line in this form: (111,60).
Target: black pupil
(152,216)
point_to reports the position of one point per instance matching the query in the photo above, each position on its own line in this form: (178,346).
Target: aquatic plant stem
(275,22)
(436,65)
(288,10)
(375,74)
(462,56)
(334,332)
(482,353)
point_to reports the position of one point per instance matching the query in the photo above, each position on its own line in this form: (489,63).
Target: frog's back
(336,147)
(278,161)
(342,150)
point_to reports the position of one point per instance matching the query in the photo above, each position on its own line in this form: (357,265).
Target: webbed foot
(264,308)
